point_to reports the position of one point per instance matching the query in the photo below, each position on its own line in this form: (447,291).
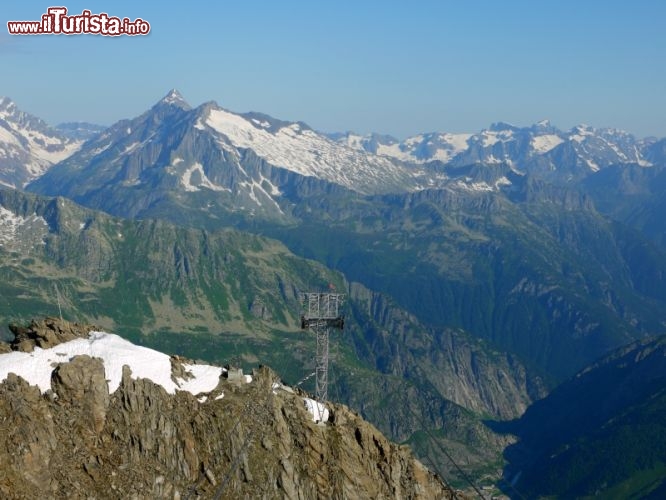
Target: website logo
(56,21)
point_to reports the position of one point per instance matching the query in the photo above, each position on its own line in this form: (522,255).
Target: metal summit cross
(321,313)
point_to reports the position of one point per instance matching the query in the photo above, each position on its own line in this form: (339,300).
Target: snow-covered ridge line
(306,152)
(36,368)
(516,145)
(115,352)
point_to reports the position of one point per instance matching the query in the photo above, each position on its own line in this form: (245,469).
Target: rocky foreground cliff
(95,434)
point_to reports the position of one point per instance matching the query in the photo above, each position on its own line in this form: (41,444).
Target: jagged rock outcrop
(251,440)
(45,333)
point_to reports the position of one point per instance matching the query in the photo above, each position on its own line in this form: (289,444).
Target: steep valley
(228,295)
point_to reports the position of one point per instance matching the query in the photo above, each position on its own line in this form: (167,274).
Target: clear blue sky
(393,67)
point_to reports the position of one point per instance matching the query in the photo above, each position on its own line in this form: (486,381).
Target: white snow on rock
(544,143)
(173,97)
(263,124)
(204,181)
(448,146)
(308,153)
(205,378)
(441,146)
(26,137)
(580,133)
(10,224)
(489,138)
(7,137)
(39,147)
(36,367)
(318,410)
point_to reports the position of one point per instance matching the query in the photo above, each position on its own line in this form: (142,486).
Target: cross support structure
(321,313)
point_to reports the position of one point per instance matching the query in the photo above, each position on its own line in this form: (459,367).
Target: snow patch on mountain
(581,133)
(467,184)
(419,148)
(115,352)
(131,147)
(7,137)
(544,143)
(593,166)
(254,185)
(262,123)
(458,142)
(489,139)
(203,181)
(317,410)
(12,224)
(172,97)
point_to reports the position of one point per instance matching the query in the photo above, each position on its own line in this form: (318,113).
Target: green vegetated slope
(229,296)
(150,275)
(600,433)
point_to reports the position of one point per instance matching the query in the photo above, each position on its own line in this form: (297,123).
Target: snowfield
(115,352)
(308,153)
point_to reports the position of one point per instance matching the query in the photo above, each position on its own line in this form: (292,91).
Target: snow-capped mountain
(415,149)
(28,146)
(299,149)
(539,148)
(247,163)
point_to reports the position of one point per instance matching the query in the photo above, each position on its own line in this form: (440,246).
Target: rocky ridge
(256,441)
(44,333)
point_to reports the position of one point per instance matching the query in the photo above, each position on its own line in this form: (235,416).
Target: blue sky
(392,67)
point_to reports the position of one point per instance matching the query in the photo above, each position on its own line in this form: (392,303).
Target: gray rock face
(258,441)
(81,383)
(462,368)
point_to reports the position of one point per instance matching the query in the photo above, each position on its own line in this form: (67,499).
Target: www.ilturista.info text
(57,22)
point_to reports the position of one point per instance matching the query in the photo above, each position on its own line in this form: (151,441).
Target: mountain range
(482,269)
(251,158)
(510,251)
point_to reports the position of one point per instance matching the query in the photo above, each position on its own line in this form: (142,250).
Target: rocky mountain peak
(175,98)
(6,105)
(502,126)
